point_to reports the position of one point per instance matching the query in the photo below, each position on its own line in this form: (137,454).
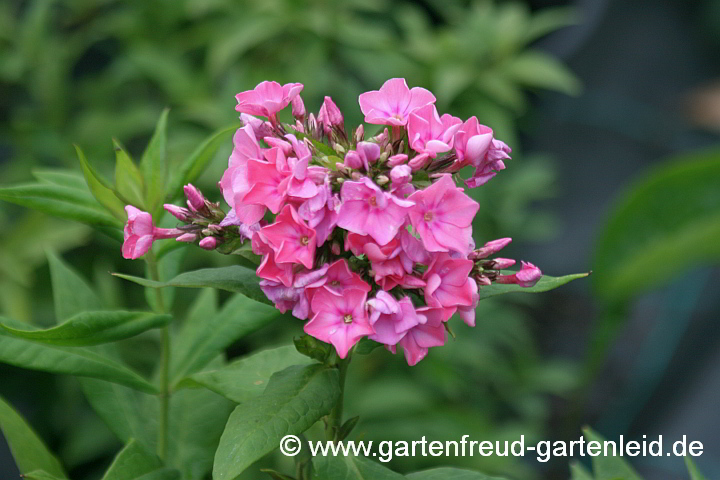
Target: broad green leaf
(60,201)
(78,361)
(540,70)
(135,462)
(128,179)
(343,467)
(610,467)
(548,20)
(693,470)
(198,160)
(154,165)
(63,178)
(578,472)
(92,328)
(127,412)
(294,400)
(197,420)
(447,473)
(546,283)
(40,475)
(28,450)
(238,317)
(235,278)
(246,378)
(71,293)
(652,236)
(100,189)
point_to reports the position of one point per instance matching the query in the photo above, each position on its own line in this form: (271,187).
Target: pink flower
(443,215)
(430,134)
(448,284)
(472,141)
(321,212)
(269,269)
(392,104)
(339,319)
(391,319)
(291,239)
(489,164)
(294,297)
(528,276)
(330,115)
(139,233)
(467,313)
(267,98)
(427,334)
(337,279)
(367,210)
(365,154)
(235,184)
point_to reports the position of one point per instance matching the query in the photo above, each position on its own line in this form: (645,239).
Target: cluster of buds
(361,237)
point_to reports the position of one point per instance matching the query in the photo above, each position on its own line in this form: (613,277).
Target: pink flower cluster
(365,237)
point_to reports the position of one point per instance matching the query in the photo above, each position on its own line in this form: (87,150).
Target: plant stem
(162,434)
(334,418)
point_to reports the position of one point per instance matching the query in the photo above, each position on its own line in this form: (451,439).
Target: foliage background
(82,71)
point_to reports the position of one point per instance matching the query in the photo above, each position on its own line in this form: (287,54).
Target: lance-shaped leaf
(246,378)
(154,165)
(610,467)
(129,182)
(71,293)
(235,278)
(294,400)
(341,467)
(579,472)
(447,473)
(91,328)
(693,470)
(60,201)
(543,285)
(63,178)
(28,450)
(100,188)
(135,462)
(78,361)
(40,475)
(239,316)
(198,160)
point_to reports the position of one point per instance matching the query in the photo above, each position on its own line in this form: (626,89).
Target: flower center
(398,116)
(304,240)
(373,201)
(334,283)
(428,216)
(348,318)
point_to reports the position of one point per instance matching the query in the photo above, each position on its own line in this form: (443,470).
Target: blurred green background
(611,109)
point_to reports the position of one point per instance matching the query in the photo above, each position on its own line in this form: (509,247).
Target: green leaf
(578,472)
(197,420)
(351,468)
(239,316)
(28,450)
(92,328)
(235,278)
(135,462)
(447,473)
(198,161)
(546,283)
(610,467)
(294,400)
(548,20)
(78,361)
(128,179)
(127,412)
(693,470)
(540,70)
(154,165)
(100,189)
(60,201)
(63,178)
(246,378)
(652,236)
(40,475)
(71,293)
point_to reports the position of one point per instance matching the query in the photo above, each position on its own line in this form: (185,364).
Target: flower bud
(335,248)
(359,134)
(330,115)
(502,263)
(182,214)
(398,159)
(528,276)
(298,108)
(195,199)
(490,248)
(400,175)
(381,180)
(339,148)
(187,238)
(208,243)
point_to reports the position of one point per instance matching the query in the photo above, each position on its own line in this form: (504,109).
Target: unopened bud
(335,248)
(502,263)
(195,199)
(182,214)
(490,248)
(330,115)
(187,237)
(339,148)
(215,229)
(528,276)
(381,180)
(298,108)
(398,159)
(357,176)
(208,243)
(340,180)
(359,134)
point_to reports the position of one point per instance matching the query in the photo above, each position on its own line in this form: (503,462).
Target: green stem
(162,434)
(334,418)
